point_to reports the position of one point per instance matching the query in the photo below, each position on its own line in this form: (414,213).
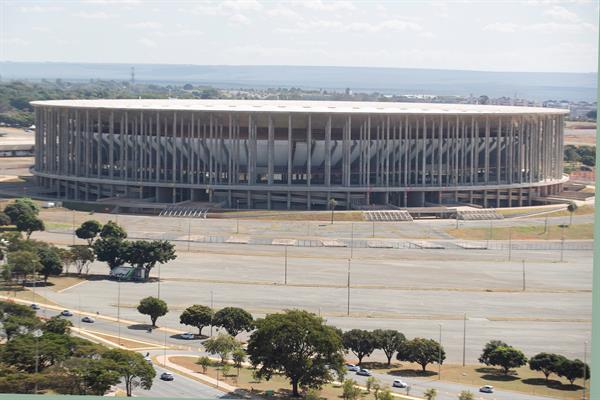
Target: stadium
(298,154)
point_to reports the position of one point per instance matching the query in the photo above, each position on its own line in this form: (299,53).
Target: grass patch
(521,380)
(280,386)
(534,232)
(21,293)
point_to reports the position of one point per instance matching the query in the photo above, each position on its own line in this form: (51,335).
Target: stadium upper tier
(298,154)
(294,106)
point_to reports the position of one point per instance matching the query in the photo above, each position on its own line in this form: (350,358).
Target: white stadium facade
(298,154)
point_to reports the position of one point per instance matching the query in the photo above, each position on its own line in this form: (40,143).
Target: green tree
(204,362)
(547,363)
(97,375)
(384,394)
(238,356)
(13,324)
(82,257)
(132,368)
(507,357)
(466,395)
(111,251)
(112,230)
(572,207)
(573,369)
(20,207)
(369,383)
(430,394)
(153,307)
(223,345)
(23,263)
(89,230)
(4,219)
(234,320)
(58,325)
(421,351)
(488,349)
(388,340)
(29,223)
(298,345)
(360,342)
(146,254)
(10,309)
(50,260)
(350,390)
(197,316)
(225,369)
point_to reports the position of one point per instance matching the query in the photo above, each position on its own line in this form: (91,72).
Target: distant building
(298,154)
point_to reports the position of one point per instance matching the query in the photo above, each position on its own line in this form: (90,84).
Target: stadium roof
(285,106)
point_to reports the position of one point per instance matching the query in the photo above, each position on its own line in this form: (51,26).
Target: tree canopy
(360,342)
(507,358)
(89,230)
(388,340)
(234,320)
(573,369)
(153,307)
(223,345)
(421,351)
(133,369)
(146,254)
(197,316)
(487,350)
(298,345)
(113,230)
(547,363)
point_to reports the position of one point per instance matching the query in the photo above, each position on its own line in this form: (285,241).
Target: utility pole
(373,233)
(165,350)
(158,289)
(509,243)
(440,355)
(562,245)
(189,234)
(524,284)
(285,266)
(352,240)
(213,309)
(348,310)
(73,224)
(584,369)
(464,338)
(237,228)
(119,308)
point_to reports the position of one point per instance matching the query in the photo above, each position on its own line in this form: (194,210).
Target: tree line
(42,355)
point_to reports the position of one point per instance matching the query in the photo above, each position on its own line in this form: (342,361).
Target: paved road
(185,387)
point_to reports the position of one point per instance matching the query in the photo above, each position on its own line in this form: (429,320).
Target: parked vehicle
(352,367)
(167,376)
(187,336)
(399,383)
(363,372)
(486,389)
(34,306)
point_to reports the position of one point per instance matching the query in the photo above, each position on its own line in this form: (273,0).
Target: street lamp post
(509,243)
(584,370)
(158,290)
(348,310)
(119,308)
(189,235)
(285,267)
(464,339)
(440,355)
(237,228)
(352,240)
(332,204)
(36,334)
(524,282)
(212,308)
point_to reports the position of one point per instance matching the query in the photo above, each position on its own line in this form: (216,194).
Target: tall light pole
(189,235)
(237,228)
(332,204)
(213,309)
(351,239)
(158,289)
(509,243)
(440,355)
(562,244)
(119,308)
(165,350)
(348,310)
(36,334)
(524,282)
(464,338)
(285,268)
(73,224)
(584,369)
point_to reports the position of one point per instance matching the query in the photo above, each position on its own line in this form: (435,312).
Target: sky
(526,35)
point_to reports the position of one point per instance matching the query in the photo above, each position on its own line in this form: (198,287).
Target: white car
(187,336)
(399,383)
(363,372)
(352,367)
(486,389)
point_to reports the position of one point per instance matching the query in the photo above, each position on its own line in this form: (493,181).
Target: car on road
(363,372)
(187,336)
(167,376)
(66,313)
(399,383)
(352,367)
(89,320)
(486,389)
(34,306)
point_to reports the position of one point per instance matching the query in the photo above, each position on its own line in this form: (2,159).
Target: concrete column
(328,152)
(270,154)
(289,154)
